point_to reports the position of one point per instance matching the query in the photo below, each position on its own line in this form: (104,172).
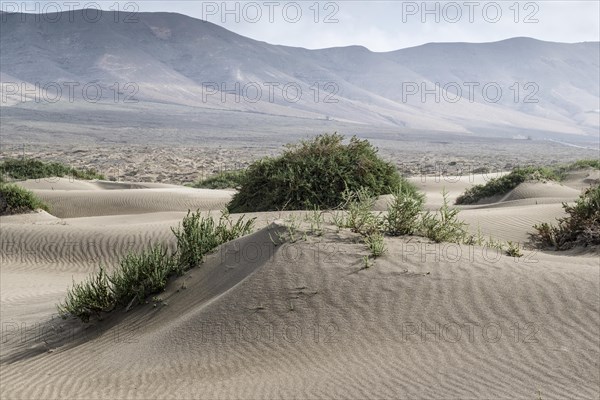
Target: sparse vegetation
(197,236)
(21,169)
(17,200)
(316,220)
(90,297)
(580,228)
(139,275)
(361,219)
(376,244)
(506,183)
(444,225)
(222,180)
(514,249)
(314,173)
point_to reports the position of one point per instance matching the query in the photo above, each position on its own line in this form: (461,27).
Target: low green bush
(21,169)
(580,228)
(17,200)
(90,297)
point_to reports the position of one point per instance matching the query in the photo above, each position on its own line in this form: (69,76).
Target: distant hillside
(176,65)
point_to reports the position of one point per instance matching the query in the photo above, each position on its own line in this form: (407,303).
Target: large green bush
(314,173)
(580,228)
(16,200)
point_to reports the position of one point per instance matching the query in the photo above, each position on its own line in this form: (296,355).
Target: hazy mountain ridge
(180,61)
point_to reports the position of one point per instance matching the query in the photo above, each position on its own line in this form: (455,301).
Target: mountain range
(170,72)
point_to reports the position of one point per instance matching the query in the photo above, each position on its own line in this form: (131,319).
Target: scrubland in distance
(504,184)
(21,169)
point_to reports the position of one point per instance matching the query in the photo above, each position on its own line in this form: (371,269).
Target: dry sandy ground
(303,319)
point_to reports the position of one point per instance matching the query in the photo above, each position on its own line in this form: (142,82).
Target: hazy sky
(385,25)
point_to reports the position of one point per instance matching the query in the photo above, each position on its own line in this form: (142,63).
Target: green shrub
(514,249)
(222,180)
(580,228)
(91,297)
(16,200)
(314,173)
(198,236)
(506,183)
(376,244)
(361,219)
(444,225)
(21,169)
(140,275)
(403,211)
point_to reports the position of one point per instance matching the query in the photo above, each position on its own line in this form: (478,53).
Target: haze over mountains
(169,74)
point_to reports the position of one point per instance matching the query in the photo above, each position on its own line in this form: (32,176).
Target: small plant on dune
(228,229)
(494,244)
(376,244)
(360,218)
(314,173)
(222,180)
(367,263)
(444,225)
(90,297)
(17,200)
(316,220)
(580,228)
(476,239)
(198,236)
(514,249)
(403,211)
(339,220)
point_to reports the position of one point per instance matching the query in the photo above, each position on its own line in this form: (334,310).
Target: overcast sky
(387,25)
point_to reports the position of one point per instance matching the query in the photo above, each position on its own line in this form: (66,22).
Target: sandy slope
(71,198)
(300,320)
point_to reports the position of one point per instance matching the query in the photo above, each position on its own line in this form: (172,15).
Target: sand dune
(72,198)
(352,333)
(300,320)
